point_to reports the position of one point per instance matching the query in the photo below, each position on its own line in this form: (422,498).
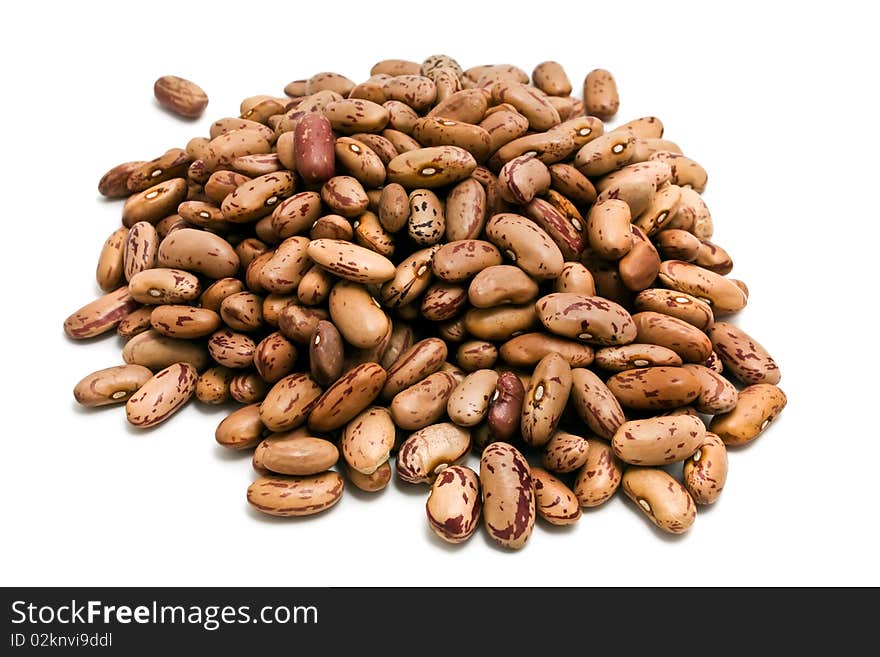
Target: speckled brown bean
(354,115)
(529,102)
(757,406)
(423,403)
(469,402)
(430,450)
(371,483)
(508,495)
(476,354)
(523,178)
(554,501)
(360,161)
(565,452)
(232,349)
(112,385)
(345,196)
(223,183)
(257,197)
(501,284)
(242,311)
(440,131)
(551,78)
(600,94)
(162,395)
(600,476)
(248,387)
(454,505)
(154,203)
(595,404)
(180,96)
(742,355)
(705,473)
(717,394)
(504,127)
(113,184)
(136,322)
(676,244)
(653,388)
(712,257)
(684,339)
(505,406)
(298,322)
(605,154)
(111,262)
(156,351)
(241,429)
(411,278)
(432,167)
(527,349)
(417,91)
(465,210)
(184,321)
(457,261)
(594,320)
(198,251)
(347,397)
(213,296)
(295,496)
(658,440)
(661,498)
(468,106)
(638,269)
(213,385)
(565,226)
(369,233)
(296,214)
(426,222)
(608,229)
(289,402)
(350,261)
(358,316)
(545,399)
(676,304)
(526,244)
(367,440)
(443,301)
(721,293)
(570,182)
(101,315)
(576,278)
(629,356)
(274,357)
(172,164)
(283,271)
(393,207)
(332,226)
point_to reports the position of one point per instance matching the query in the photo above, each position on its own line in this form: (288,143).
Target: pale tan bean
(454,505)
(717,394)
(241,429)
(367,440)
(508,495)
(460,260)
(646,127)
(467,105)
(213,296)
(162,396)
(371,483)
(101,315)
(527,349)
(661,498)
(476,354)
(742,355)
(358,316)
(295,496)
(705,473)
(356,115)
(501,284)
(198,251)
(369,233)
(112,385)
(501,322)
(608,229)
(111,262)
(431,450)
(469,402)
(576,278)
(685,171)
(423,403)
(756,407)
(675,304)
(431,167)
(554,501)
(417,91)
(440,131)
(629,356)
(529,102)
(551,78)
(600,476)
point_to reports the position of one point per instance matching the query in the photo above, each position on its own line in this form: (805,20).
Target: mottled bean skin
(554,501)
(600,476)
(545,399)
(742,355)
(756,407)
(658,440)
(295,496)
(112,385)
(162,396)
(564,452)
(454,505)
(705,473)
(595,404)
(653,388)
(430,450)
(661,498)
(508,495)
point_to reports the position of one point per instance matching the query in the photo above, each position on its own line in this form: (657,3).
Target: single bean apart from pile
(464,272)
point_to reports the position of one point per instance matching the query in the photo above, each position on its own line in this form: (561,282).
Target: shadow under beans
(418,490)
(232,455)
(268,519)
(175,115)
(361,495)
(440,544)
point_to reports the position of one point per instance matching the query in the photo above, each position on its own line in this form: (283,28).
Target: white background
(778,103)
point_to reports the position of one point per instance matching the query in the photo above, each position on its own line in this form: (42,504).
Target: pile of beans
(430,263)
